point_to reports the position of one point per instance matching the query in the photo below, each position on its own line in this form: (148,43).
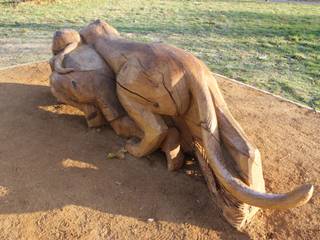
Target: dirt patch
(57,183)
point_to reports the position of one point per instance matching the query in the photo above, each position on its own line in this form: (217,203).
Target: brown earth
(56,182)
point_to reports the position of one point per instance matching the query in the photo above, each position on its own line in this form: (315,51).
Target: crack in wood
(164,85)
(136,94)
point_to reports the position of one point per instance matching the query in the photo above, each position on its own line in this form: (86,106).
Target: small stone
(120,154)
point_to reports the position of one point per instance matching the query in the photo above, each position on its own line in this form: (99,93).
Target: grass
(273,46)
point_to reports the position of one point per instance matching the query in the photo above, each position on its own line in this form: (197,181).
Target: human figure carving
(156,80)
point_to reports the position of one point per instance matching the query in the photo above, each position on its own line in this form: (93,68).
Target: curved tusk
(237,188)
(58,59)
(298,197)
(243,192)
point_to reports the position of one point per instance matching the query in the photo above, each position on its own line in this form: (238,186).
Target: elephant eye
(74,84)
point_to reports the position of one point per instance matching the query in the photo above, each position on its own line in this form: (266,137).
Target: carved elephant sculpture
(156,82)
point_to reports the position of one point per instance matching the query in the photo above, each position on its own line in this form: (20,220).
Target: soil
(56,181)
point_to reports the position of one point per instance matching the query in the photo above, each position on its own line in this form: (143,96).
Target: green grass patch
(273,46)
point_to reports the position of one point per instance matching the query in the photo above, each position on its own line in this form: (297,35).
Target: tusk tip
(306,191)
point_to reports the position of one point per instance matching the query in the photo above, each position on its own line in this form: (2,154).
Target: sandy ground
(56,182)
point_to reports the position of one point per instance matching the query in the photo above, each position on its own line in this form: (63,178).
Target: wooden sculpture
(90,86)
(163,88)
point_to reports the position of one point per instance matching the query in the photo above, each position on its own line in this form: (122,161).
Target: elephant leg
(126,127)
(93,116)
(123,125)
(152,125)
(172,148)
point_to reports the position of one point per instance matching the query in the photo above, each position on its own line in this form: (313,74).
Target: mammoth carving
(170,100)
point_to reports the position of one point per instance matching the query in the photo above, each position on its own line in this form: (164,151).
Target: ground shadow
(50,160)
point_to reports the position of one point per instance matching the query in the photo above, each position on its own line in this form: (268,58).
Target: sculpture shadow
(51,159)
